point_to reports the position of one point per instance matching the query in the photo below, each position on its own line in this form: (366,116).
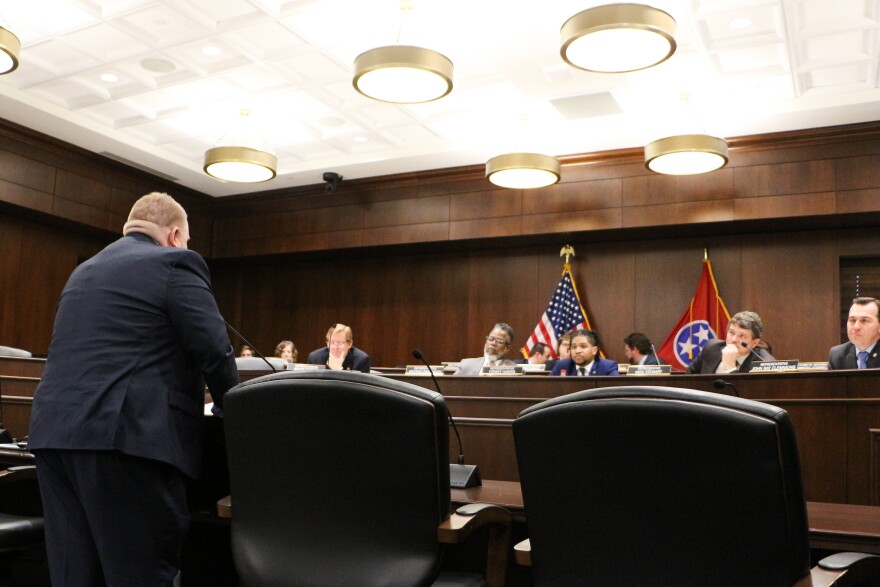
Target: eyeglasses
(493,340)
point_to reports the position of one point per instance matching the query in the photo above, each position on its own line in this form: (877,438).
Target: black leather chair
(341,478)
(21,513)
(665,486)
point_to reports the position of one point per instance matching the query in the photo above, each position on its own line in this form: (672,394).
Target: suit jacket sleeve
(198,325)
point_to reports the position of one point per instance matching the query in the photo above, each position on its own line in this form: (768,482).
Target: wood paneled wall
(432,260)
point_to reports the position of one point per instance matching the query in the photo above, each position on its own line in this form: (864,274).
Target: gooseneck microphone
(656,356)
(460,475)
(751,350)
(721,384)
(253,348)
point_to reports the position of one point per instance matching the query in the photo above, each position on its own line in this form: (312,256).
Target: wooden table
(833,526)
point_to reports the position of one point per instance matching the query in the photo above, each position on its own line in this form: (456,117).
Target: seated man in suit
(497,344)
(737,351)
(863,330)
(639,350)
(340,354)
(585,359)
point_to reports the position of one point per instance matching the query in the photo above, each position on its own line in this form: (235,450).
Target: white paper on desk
(208,407)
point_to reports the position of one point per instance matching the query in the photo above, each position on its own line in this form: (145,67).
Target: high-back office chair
(341,478)
(663,486)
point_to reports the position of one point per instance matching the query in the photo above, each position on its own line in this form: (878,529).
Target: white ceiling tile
(160,25)
(59,58)
(105,42)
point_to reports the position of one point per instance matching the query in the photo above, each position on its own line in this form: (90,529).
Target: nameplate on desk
(638,370)
(817,366)
(499,370)
(422,370)
(773,366)
(531,369)
(304,367)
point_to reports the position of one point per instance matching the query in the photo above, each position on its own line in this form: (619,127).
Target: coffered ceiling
(180,71)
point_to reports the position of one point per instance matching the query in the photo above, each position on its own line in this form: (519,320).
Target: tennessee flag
(703,320)
(564,313)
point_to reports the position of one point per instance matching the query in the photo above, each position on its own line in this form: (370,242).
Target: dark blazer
(600,367)
(137,336)
(710,357)
(355,359)
(843,356)
(653,360)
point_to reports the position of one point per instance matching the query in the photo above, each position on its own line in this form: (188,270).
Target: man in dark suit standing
(340,352)
(117,419)
(863,330)
(738,349)
(585,359)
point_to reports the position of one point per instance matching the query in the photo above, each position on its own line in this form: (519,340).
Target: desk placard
(638,370)
(422,370)
(532,369)
(499,370)
(773,366)
(813,366)
(304,367)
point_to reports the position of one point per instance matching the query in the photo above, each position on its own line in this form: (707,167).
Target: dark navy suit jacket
(355,359)
(137,336)
(843,356)
(600,367)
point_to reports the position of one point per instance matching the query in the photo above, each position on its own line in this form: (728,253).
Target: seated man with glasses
(497,344)
(339,353)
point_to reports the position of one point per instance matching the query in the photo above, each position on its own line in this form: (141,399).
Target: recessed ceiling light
(742,22)
(211,51)
(157,65)
(331,121)
(360,139)
(109,77)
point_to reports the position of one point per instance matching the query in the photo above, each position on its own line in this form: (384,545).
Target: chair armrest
(841,569)
(19,473)
(457,528)
(522,553)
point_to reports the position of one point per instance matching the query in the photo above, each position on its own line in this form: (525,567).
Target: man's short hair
(749,321)
(506,328)
(591,335)
(340,328)
(640,342)
(538,349)
(158,208)
(865,300)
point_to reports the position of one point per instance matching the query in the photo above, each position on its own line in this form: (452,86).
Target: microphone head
(719,384)
(743,343)
(417,354)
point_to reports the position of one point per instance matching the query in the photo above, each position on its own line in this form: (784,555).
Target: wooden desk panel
(833,413)
(832,526)
(21,367)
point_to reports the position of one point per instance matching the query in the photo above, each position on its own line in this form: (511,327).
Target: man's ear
(172,239)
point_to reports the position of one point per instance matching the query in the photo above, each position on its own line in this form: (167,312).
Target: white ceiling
(800,64)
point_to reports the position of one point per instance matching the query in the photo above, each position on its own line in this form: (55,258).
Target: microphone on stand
(461,476)
(721,384)
(751,350)
(247,342)
(656,356)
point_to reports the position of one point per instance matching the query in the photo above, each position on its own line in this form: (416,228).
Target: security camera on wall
(332,178)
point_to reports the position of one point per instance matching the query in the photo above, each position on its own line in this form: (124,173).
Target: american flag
(563,313)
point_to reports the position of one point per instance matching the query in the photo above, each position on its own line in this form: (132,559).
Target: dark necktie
(582,371)
(863,359)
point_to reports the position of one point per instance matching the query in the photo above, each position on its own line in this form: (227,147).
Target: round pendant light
(10,47)
(523,170)
(240,164)
(686,154)
(617,38)
(402,74)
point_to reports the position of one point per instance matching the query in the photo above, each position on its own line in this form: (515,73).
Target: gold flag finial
(705,254)
(567,251)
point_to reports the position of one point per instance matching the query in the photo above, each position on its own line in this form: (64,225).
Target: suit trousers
(110,518)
